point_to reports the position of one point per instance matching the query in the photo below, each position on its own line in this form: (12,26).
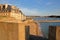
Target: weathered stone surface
(54,33)
(11,11)
(13,31)
(14,25)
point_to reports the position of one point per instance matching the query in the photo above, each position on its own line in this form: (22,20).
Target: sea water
(45,25)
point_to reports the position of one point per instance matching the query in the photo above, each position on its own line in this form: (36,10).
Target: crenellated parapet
(8,8)
(5,8)
(11,11)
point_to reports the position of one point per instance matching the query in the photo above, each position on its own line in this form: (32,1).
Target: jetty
(48,21)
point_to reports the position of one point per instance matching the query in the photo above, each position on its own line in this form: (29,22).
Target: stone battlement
(8,8)
(11,11)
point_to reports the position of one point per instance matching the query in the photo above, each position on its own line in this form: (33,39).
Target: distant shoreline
(52,16)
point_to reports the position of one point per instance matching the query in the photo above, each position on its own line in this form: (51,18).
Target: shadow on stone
(32,37)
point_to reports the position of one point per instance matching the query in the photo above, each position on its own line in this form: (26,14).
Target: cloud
(3,1)
(28,11)
(49,3)
(37,12)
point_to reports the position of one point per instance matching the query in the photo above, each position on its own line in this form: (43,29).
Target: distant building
(11,11)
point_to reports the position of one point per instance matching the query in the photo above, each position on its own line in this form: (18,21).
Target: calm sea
(45,26)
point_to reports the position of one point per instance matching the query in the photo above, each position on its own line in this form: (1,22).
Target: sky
(36,7)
